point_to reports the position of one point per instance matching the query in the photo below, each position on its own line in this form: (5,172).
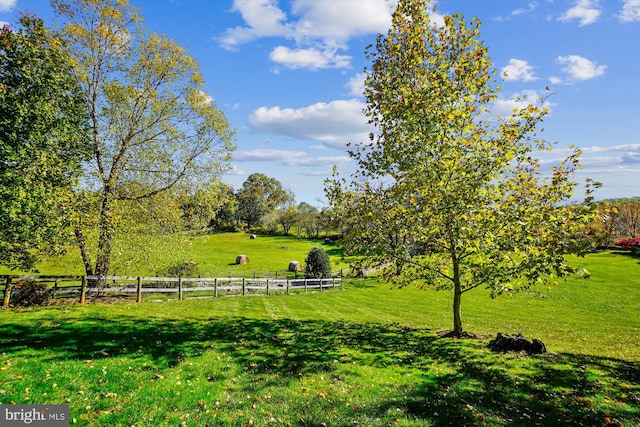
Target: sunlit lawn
(367,355)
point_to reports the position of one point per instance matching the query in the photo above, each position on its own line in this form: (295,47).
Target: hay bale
(327,241)
(253,237)
(295,266)
(242,259)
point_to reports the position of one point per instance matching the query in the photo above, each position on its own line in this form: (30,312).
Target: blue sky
(288,75)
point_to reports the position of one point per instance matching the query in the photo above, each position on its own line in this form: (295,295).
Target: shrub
(631,244)
(628,243)
(317,264)
(28,292)
(184,269)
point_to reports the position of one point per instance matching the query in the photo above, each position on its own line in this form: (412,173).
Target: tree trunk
(82,245)
(457,318)
(457,287)
(105,237)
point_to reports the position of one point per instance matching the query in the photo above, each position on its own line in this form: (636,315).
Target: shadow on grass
(471,386)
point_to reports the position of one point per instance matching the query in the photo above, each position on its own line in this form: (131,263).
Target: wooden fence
(168,287)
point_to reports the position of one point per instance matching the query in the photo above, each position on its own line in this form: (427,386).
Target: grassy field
(368,355)
(215,255)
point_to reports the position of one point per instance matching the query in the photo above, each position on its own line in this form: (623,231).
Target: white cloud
(505,107)
(287,157)
(356,84)
(530,8)
(342,19)
(518,70)
(263,18)
(6,5)
(586,11)
(579,68)
(630,11)
(600,159)
(319,29)
(309,58)
(334,124)
(626,148)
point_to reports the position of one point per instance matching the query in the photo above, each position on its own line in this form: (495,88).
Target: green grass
(215,255)
(368,355)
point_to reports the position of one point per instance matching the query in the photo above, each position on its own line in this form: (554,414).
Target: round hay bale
(242,259)
(253,236)
(295,266)
(327,241)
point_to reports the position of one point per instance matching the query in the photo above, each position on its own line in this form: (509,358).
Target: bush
(184,269)
(628,243)
(28,292)
(317,264)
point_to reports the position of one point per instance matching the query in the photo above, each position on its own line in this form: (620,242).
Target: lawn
(215,255)
(368,355)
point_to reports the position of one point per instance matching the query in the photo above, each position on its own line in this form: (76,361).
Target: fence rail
(162,287)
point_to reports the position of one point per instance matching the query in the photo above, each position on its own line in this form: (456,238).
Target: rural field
(367,355)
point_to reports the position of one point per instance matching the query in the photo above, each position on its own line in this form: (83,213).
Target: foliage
(225,218)
(338,358)
(28,292)
(200,207)
(184,269)
(615,219)
(317,264)
(259,196)
(631,244)
(43,127)
(153,126)
(447,195)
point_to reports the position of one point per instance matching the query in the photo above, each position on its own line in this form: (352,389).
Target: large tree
(43,134)
(152,124)
(446,195)
(259,196)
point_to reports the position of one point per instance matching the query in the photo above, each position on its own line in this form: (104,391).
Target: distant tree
(317,264)
(307,219)
(225,218)
(259,196)
(446,196)
(151,121)
(43,134)
(200,207)
(287,218)
(628,219)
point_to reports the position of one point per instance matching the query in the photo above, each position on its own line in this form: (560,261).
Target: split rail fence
(169,287)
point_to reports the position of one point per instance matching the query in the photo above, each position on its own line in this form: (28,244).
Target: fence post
(7,293)
(287,286)
(139,293)
(180,288)
(305,286)
(243,286)
(267,287)
(83,290)
(215,287)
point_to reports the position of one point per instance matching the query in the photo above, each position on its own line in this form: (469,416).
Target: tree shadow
(477,387)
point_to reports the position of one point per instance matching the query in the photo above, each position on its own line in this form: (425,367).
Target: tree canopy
(259,196)
(43,135)
(447,195)
(152,125)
